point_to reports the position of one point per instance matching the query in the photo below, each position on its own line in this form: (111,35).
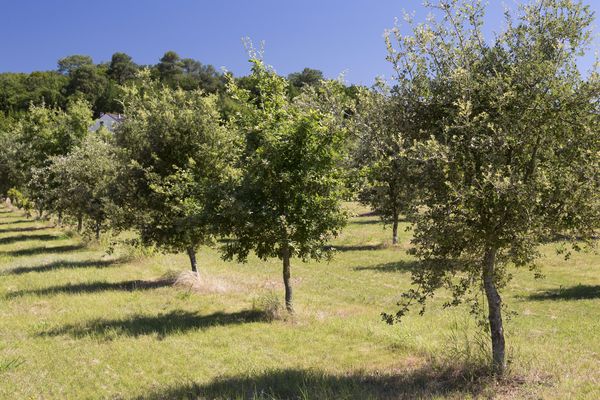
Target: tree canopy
(177,157)
(508,141)
(287,201)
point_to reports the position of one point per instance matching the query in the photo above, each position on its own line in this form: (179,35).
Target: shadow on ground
(15,222)
(95,287)
(26,237)
(309,384)
(366,222)
(368,214)
(579,292)
(65,264)
(399,266)
(161,325)
(367,247)
(373,221)
(43,250)
(25,229)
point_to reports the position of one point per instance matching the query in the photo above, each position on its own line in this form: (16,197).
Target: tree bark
(98,226)
(285,255)
(192,255)
(60,218)
(495,313)
(395,228)
(79,223)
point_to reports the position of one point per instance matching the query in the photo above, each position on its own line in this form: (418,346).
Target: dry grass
(201,283)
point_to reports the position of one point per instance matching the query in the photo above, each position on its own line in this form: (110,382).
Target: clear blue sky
(331,35)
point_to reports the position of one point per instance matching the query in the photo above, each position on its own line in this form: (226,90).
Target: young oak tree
(9,174)
(177,158)
(509,143)
(390,178)
(42,133)
(287,200)
(82,182)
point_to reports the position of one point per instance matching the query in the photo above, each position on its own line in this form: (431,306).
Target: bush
(19,200)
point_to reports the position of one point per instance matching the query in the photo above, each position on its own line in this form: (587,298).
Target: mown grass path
(76,323)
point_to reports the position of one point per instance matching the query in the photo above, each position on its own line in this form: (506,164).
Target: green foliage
(307,77)
(508,142)
(290,187)
(33,140)
(8,170)
(17,198)
(18,91)
(90,83)
(199,76)
(45,132)
(169,66)
(121,68)
(79,184)
(178,158)
(287,200)
(78,77)
(389,179)
(188,74)
(70,64)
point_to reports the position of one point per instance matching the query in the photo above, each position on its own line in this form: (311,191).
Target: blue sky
(334,36)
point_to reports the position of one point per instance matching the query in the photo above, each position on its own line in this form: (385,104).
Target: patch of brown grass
(199,283)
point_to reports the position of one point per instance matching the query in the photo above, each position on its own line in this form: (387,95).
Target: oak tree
(508,142)
(177,158)
(287,200)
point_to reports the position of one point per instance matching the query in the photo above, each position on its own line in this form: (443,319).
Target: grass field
(76,323)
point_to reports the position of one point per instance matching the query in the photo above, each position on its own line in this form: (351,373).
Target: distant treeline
(77,76)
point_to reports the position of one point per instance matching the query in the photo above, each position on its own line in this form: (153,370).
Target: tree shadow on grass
(366,222)
(65,264)
(25,229)
(368,214)
(399,266)
(425,382)
(374,221)
(95,287)
(367,247)
(18,221)
(161,325)
(579,292)
(26,237)
(44,250)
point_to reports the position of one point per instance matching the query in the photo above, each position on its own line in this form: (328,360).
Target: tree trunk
(285,255)
(60,218)
(40,213)
(495,313)
(98,226)
(79,223)
(395,229)
(192,255)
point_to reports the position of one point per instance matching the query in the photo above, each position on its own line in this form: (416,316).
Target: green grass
(77,324)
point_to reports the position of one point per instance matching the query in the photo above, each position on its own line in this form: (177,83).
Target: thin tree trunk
(285,255)
(98,226)
(79,223)
(395,229)
(60,218)
(495,313)
(192,255)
